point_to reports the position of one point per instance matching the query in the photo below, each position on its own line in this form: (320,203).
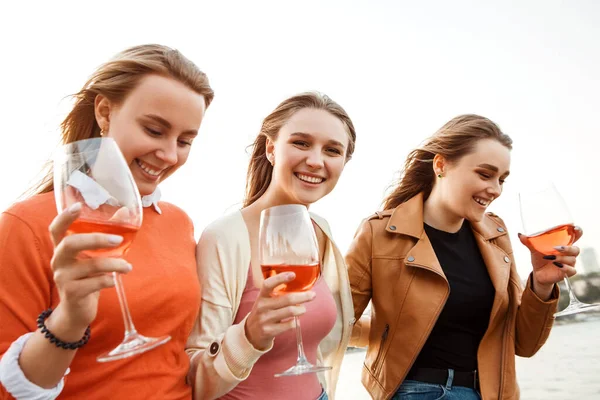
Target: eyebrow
(492,168)
(308,136)
(167,124)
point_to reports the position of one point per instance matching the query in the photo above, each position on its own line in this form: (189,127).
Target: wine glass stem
(129,327)
(572,298)
(301,356)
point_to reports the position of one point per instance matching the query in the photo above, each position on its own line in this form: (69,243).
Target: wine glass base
(575,308)
(132,345)
(300,369)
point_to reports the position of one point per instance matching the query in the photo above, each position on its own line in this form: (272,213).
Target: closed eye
(335,151)
(301,143)
(152,132)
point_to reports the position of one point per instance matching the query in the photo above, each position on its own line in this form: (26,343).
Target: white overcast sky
(400,68)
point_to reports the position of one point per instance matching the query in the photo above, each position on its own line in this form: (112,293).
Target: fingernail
(290,275)
(312,295)
(577,228)
(115,239)
(560,248)
(129,267)
(559,265)
(74,208)
(550,257)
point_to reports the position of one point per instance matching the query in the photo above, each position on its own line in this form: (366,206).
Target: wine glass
(547,223)
(288,244)
(94,172)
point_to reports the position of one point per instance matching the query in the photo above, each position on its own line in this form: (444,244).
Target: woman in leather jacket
(449,311)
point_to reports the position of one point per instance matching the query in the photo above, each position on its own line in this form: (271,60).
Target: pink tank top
(316,323)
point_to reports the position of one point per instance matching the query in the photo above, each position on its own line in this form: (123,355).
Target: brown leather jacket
(391,262)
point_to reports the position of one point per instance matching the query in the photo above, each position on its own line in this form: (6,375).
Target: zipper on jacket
(384,336)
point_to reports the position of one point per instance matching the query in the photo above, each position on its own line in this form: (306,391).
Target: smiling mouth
(309,179)
(148,169)
(481,201)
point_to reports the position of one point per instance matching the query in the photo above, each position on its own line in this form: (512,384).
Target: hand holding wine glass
(93,183)
(274,314)
(552,265)
(549,235)
(288,246)
(79,280)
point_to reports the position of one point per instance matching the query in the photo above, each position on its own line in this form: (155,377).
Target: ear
(270,150)
(102,109)
(439,165)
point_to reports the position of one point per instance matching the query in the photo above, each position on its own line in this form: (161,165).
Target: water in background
(567,367)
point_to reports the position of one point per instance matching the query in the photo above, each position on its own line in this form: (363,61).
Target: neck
(271,198)
(437,215)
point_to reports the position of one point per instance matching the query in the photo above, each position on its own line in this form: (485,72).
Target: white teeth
(481,201)
(147,169)
(309,179)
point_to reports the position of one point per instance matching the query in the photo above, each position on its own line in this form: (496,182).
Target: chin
(146,189)
(478,217)
(306,200)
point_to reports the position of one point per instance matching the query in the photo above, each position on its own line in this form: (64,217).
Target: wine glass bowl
(548,224)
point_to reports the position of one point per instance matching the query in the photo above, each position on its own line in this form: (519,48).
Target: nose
(314,159)
(168,152)
(495,189)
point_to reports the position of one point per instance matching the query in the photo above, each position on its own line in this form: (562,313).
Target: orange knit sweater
(162,290)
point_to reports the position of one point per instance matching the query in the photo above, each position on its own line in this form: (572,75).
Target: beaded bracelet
(56,341)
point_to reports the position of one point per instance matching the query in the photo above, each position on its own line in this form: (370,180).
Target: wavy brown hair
(114,80)
(454,140)
(260,169)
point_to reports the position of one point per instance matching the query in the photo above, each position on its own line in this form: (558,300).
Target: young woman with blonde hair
(244,335)
(151,100)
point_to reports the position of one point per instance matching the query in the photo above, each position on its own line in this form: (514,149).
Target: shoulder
(227,230)
(172,211)
(380,215)
(321,222)
(36,212)
(378,220)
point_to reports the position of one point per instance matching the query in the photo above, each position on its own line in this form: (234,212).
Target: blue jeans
(323,396)
(415,390)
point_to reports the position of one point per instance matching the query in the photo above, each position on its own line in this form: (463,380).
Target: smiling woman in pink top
(244,335)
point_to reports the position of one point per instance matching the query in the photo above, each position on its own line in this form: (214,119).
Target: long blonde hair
(260,169)
(454,140)
(115,79)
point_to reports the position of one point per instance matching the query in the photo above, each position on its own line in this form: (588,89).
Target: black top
(455,338)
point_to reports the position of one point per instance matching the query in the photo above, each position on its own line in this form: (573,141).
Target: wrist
(542,290)
(256,344)
(63,327)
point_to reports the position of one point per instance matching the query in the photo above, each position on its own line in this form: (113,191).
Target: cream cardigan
(223,256)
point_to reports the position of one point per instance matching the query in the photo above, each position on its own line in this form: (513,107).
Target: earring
(101,132)
(440,176)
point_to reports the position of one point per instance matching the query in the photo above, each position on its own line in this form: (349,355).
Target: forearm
(534,320)
(42,362)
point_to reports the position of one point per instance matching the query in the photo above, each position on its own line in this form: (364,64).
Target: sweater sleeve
(221,355)
(26,280)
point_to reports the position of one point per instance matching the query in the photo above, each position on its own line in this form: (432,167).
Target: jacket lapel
(496,260)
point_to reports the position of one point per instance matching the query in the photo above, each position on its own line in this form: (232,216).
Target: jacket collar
(407,219)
